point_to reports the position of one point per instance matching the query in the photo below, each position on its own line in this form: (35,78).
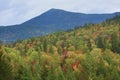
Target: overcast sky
(17,11)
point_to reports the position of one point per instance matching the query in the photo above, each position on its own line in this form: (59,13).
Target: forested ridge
(89,52)
(49,22)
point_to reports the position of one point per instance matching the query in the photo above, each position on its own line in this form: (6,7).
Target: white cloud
(4,4)
(18,11)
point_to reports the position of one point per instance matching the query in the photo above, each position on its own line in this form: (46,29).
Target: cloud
(3,6)
(17,11)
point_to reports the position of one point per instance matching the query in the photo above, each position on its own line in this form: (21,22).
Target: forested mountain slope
(90,52)
(49,22)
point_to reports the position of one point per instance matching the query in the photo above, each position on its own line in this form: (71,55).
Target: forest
(89,52)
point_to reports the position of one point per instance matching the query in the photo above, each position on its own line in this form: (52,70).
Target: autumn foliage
(90,52)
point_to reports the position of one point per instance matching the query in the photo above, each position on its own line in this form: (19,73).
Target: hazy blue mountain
(49,22)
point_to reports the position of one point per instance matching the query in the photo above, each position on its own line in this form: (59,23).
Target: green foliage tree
(45,45)
(89,45)
(101,43)
(5,66)
(115,41)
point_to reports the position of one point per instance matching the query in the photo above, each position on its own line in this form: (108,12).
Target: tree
(5,67)
(45,45)
(89,45)
(101,43)
(115,41)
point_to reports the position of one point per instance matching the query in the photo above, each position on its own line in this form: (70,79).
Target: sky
(18,11)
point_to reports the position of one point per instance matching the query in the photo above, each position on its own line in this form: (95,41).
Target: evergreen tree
(115,41)
(89,45)
(5,67)
(101,43)
(45,45)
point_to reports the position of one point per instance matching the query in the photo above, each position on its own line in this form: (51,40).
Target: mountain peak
(55,10)
(51,21)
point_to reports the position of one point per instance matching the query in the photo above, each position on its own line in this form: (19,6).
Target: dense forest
(89,52)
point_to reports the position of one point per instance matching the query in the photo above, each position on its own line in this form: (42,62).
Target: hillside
(49,22)
(90,52)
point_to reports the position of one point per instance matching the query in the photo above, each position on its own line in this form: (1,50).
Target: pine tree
(101,43)
(115,41)
(45,45)
(89,45)
(5,67)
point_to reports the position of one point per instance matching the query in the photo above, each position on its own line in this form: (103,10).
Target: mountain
(51,21)
(53,17)
(87,53)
